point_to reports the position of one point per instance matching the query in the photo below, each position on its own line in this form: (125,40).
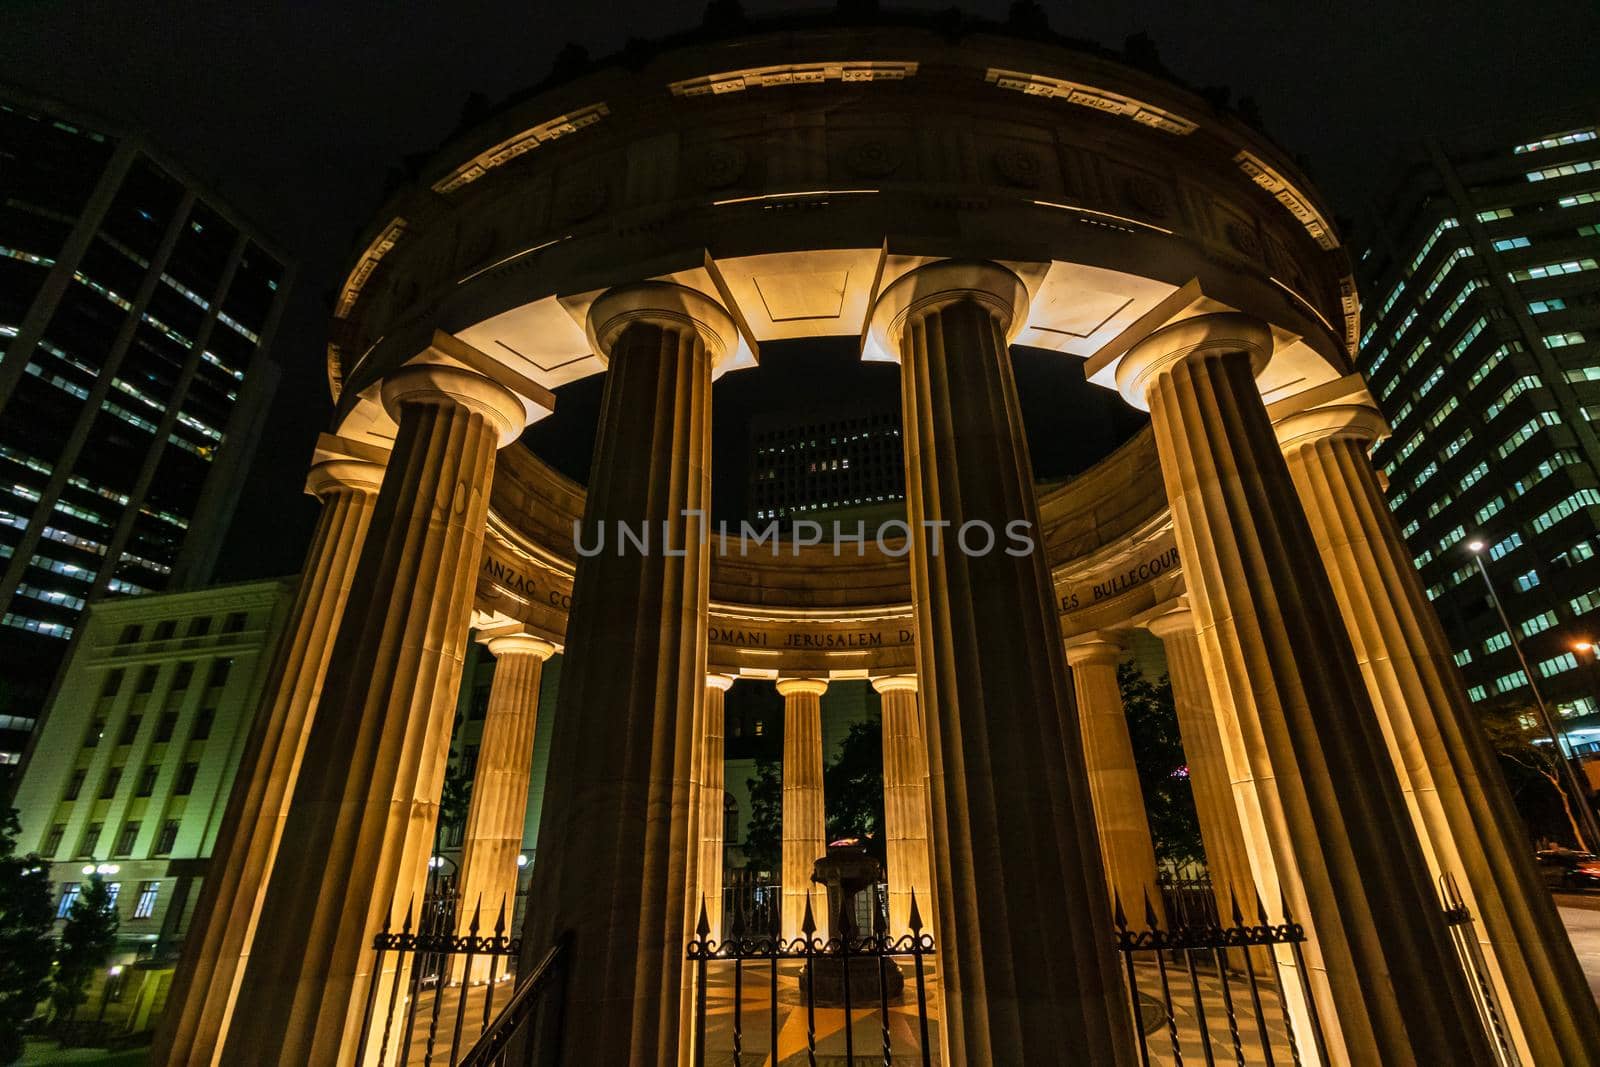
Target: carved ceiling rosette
(872,158)
(719,165)
(1019,166)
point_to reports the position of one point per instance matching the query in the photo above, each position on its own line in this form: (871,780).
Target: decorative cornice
(735,81)
(520,144)
(1284,192)
(1092,97)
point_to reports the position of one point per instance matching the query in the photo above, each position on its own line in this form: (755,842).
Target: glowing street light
(1569,764)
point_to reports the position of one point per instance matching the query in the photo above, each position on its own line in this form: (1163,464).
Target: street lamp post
(1568,762)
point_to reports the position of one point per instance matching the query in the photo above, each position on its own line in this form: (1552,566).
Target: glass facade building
(845,463)
(1481,291)
(136,759)
(135,314)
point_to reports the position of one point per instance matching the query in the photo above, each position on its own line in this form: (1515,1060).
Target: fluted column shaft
(1025,955)
(1457,797)
(367,800)
(1227,860)
(712,796)
(498,809)
(1119,808)
(617,845)
(805,824)
(1322,812)
(201,1002)
(905,801)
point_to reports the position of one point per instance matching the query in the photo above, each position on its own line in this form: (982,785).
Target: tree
(852,787)
(86,943)
(1162,766)
(1533,774)
(26,913)
(763,841)
(454,802)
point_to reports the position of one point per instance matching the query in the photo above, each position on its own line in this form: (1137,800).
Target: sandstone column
(1456,795)
(1227,861)
(1323,816)
(805,825)
(617,850)
(364,808)
(1119,810)
(712,798)
(499,804)
(905,801)
(200,1004)
(1025,952)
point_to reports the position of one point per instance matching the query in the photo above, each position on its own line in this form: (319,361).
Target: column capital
(338,463)
(1222,331)
(896,683)
(1358,422)
(946,282)
(1095,648)
(1177,622)
(722,682)
(801,686)
(427,381)
(514,643)
(664,304)
(329,476)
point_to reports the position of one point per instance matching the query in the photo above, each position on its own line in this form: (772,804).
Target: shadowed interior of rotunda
(855,541)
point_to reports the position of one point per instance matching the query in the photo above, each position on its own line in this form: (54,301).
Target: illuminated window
(1500,548)
(1553,270)
(1576,502)
(1557,664)
(1506,244)
(1564,170)
(1507,682)
(1527,581)
(145,906)
(1556,140)
(1538,624)
(1497,642)
(70,892)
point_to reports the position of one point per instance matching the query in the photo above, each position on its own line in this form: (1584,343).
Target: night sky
(294,113)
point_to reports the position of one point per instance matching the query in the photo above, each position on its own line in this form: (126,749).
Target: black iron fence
(748,893)
(846,972)
(412,975)
(1227,1002)
(1188,897)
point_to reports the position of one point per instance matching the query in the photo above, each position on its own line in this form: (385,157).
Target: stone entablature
(780,612)
(795,204)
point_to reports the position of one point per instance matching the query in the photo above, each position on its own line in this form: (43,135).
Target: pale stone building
(136,759)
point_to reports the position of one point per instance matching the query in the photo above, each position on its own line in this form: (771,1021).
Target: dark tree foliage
(26,913)
(454,802)
(763,842)
(1533,776)
(1163,769)
(852,787)
(86,943)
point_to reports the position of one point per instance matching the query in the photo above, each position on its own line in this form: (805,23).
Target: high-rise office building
(846,463)
(1482,344)
(135,761)
(135,313)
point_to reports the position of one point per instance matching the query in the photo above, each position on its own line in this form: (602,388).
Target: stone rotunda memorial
(937,192)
